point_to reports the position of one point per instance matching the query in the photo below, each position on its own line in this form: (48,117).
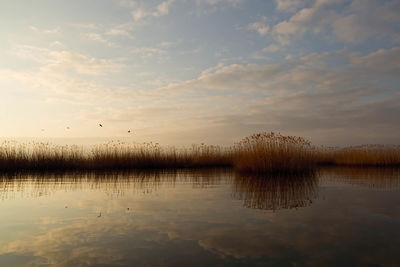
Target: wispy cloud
(348,21)
(99,38)
(290,5)
(261,27)
(121,30)
(161,9)
(45,31)
(332,94)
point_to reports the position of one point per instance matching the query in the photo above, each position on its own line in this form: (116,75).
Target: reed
(364,155)
(274,153)
(109,156)
(258,153)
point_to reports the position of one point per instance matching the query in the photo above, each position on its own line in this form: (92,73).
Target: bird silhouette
(98,216)
(129,131)
(101,125)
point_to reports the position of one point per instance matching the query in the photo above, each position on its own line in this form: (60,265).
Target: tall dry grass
(109,156)
(258,153)
(364,155)
(274,153)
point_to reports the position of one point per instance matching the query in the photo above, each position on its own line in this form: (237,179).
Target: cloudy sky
(189,71)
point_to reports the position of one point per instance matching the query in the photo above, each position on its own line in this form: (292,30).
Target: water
(339,217)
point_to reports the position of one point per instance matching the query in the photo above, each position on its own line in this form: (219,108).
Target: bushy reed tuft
(274,153)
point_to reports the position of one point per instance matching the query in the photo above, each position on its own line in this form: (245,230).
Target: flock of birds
(100,125)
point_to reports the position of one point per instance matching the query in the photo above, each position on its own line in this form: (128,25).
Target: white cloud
(63,72)
(99,38)
(161,9)
(261,27)
(289,5)
(332,97)
(139,14)
(121,30)
(45,31)
(349,21)
(147,51)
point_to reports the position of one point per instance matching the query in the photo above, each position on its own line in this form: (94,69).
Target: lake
(335,217)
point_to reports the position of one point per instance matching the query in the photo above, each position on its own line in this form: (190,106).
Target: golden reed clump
(274,153)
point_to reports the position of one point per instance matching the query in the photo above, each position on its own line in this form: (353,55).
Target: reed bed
(274,153)
(259,153)
(364,155)
(109,156)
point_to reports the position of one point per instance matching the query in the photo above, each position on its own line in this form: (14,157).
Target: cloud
(340,94)
(161,9)
(215,2)
(139,14)
(289,5)
(99,38)
(336,97)
(64,73)
(121,30)
(348,21)
(146,51)
(261,27)
(45,31)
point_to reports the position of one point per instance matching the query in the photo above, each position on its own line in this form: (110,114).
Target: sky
(190,71)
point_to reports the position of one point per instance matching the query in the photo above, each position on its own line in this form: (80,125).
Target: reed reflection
(32,185)
(275,192)
(377,178)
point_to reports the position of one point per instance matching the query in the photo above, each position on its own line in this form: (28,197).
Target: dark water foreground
(339,217)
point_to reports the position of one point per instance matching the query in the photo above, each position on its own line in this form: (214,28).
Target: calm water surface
(339,217)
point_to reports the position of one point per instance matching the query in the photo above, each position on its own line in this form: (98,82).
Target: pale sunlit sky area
(191,71)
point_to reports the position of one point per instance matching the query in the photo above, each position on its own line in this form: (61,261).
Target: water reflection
(32,185)
(197,218)
(377,178)
(275,192)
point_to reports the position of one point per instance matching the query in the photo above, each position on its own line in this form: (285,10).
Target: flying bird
(129,131)
(101,125)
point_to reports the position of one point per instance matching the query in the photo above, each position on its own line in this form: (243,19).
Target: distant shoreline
(260,153)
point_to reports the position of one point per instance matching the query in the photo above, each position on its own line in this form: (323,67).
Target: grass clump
(274,153)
